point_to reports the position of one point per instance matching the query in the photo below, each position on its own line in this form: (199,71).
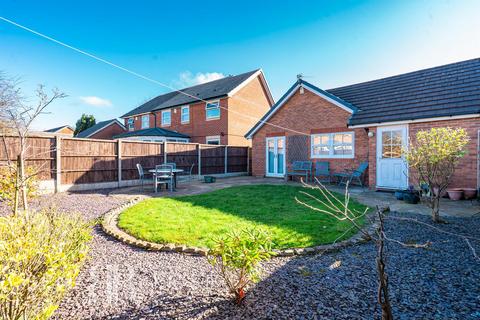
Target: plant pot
(455,194)
(399,194)
(411,197)
(209,179)
(469,193)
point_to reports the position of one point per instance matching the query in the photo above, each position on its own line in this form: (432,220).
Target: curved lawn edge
(110,226)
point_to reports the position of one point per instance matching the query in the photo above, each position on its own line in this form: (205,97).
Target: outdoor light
(371,134)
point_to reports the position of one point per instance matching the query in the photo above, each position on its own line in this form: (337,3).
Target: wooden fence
(92,163)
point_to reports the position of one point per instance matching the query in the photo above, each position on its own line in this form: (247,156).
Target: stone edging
(110,227)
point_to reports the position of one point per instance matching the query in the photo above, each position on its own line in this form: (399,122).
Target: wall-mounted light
(371,134)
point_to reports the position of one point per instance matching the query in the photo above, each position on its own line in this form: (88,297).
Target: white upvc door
(275,157)
(392,170)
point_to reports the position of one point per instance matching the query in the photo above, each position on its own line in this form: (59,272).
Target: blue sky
(332,43)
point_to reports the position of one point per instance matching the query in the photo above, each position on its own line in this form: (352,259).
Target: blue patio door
(275,157)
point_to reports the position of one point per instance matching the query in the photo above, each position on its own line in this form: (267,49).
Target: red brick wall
(108,132)
(466,172)
(307,113)
(247,106)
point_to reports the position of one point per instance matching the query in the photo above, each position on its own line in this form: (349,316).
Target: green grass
(195,220)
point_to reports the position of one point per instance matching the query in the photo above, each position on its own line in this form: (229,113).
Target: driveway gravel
(122,282)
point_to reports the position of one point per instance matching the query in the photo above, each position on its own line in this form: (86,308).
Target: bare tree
(339,209)
(17,116)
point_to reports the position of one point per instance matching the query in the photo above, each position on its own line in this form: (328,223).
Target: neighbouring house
(103,130)
(63,130)
(216,112)
(370,121)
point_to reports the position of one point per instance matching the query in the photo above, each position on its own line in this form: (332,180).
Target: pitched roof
(158,132)
(444,91)
(210,90)
(59,128)
(300,83)
(97,127)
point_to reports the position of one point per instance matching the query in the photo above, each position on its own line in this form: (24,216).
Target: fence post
(58,163)
(226,159)
(119,162)
(199,147)
(165,152)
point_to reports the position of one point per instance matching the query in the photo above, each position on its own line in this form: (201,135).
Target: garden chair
(164,175)
(142,174)
(322,171)
(188,174)
(300,168)
(349,176)
(173,164)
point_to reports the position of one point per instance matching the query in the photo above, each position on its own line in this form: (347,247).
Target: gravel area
(122,282)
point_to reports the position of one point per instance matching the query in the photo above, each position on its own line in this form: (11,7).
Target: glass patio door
(275,157)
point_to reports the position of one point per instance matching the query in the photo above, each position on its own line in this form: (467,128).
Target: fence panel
(213,159)
(184,155)
(88,161)
(148,154)
(237,159)
(40,154)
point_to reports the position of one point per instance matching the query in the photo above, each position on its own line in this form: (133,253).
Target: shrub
(7,183)
(41,254)
(433,156)
(238,255)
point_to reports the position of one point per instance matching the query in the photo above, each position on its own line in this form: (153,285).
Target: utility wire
(141,75)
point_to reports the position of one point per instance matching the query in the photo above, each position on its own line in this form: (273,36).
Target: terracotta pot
(455,194)
(469,193)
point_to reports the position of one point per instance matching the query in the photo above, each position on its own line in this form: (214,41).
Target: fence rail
(93,162)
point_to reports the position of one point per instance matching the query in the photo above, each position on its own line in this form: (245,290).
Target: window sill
(165,125)
(209,119)
(332,157)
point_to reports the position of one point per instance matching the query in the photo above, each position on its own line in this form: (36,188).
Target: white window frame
(131,124)
(218,107)
(331,145)
(145,116)
(181,114)
(164,124)
(209,139)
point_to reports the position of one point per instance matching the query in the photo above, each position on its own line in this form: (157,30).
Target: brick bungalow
(370,121)
(216,112)
(65,130)
(103,130)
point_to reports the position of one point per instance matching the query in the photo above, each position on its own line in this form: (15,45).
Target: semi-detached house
(216,112)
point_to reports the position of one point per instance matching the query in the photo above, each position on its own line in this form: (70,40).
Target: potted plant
(455,194)
(411,195)
(469,193)
(399,194)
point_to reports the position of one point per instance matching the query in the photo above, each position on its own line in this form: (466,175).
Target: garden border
(110,226)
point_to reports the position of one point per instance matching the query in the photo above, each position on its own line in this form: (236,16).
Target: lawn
(195,220)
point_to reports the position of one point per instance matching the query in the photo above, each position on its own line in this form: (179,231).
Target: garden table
(174,172)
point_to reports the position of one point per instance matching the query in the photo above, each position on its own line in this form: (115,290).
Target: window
(213,140)
(213,110)
(333,145)
(145,121)
(166,117)
(392,142)
(130,124)
(185,114)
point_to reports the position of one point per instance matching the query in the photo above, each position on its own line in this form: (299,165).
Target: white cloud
(96,101)
(187,79)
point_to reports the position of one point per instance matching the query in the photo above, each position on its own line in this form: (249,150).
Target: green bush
(238,255)
(41,254)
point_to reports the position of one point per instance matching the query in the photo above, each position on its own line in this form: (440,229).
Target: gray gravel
(121,282)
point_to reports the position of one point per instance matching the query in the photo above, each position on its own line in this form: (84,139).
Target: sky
(181,43)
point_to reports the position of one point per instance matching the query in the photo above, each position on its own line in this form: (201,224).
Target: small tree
(41,254)
(17,116)
(238,256)
(85,122)
(433,157)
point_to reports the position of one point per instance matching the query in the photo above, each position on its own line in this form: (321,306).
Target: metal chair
(142,174)
(164,175)
(349,176)
(173,164)
(322,169)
